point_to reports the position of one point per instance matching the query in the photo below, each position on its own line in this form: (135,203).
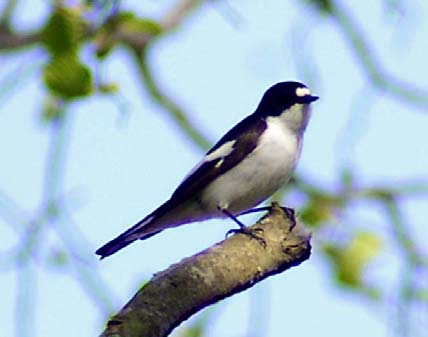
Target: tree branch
(9,40)
(220,271)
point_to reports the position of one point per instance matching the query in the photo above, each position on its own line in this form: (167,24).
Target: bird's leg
(256,210)
(242,228)
(289,212)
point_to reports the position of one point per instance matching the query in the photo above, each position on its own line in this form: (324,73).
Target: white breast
(260,175)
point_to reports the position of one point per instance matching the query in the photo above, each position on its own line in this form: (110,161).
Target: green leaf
(193,331)
(108,88)
(63,32)
(130,21)
(104,42)
(67,78)
(124,22)
(319,209)
(356,256)
(351,261)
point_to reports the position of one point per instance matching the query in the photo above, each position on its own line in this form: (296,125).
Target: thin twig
(402,233)
(413,260)
(7,13)
(83,267)
(371,65)
(10,40)
(175,111)
(25,298)
(176,15)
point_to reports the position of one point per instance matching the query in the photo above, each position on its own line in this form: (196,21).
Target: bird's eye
(301,92)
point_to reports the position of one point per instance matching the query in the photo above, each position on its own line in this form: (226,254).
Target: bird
(245,167)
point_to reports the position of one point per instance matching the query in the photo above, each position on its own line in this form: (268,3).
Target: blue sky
(120,166)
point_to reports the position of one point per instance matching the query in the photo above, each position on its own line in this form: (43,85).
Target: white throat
(296,118)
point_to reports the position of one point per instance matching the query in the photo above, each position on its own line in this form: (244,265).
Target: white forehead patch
(301,92)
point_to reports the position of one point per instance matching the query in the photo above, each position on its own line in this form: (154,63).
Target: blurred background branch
(177,114)
(365,54)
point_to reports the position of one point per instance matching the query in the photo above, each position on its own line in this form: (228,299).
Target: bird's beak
(307,99)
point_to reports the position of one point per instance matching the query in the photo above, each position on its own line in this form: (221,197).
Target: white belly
(260,175)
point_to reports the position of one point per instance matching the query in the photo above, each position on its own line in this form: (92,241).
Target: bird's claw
(250,233)
(291,216)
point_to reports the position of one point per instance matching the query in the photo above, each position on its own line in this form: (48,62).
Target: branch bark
(223,270)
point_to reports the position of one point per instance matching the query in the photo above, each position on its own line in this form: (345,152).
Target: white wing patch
(221,152)
(219,163)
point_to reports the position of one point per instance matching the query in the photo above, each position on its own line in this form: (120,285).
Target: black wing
(245,134)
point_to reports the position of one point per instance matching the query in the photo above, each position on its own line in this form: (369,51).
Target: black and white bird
(246,166)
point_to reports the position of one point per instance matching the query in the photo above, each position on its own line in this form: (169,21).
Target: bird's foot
(291,216)
(249,232)
(243,229)
(289,212)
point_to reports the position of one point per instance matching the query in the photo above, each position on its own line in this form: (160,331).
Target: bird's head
(290,101)
(284,95)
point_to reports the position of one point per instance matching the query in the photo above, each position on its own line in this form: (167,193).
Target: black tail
(140,231)
(112,246)
(123,240)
